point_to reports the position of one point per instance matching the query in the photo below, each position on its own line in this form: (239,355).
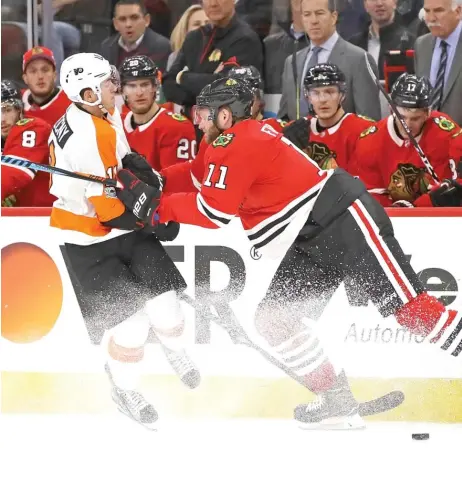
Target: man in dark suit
(319,19)
(438,55)
(134,36)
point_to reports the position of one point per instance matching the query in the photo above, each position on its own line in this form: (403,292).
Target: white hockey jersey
(87,144)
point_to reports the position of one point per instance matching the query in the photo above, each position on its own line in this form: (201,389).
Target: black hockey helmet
(412,92)
(235,94)
(138,67)
(324,75)
(251,75)
(10,94)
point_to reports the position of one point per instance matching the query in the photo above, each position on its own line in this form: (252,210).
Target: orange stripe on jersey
(65,220)
(106,208)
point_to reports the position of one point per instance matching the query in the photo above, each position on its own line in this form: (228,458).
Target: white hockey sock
(304,355)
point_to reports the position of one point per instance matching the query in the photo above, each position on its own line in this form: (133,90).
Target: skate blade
(336,424)
(148,426)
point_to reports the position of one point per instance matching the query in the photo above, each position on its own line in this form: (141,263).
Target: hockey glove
(298,132)
(165,231)
(140,198)
(138,165)
(449,193)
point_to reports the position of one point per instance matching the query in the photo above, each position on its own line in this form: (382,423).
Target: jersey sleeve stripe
(30,172)
(220,219)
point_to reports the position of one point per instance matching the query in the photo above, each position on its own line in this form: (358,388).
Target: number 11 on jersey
(221,180)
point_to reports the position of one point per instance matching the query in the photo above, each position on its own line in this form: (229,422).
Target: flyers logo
(369,130)
(223,140)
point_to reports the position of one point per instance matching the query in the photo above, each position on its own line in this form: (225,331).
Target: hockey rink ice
(112,449)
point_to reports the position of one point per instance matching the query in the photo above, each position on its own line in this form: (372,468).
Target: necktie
(437,96)
(304,108)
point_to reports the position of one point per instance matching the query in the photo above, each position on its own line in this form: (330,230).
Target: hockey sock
(304,355)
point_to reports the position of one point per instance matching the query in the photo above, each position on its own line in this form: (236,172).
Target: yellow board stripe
(431,400)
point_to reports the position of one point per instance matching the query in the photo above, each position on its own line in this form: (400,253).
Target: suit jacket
(154,45)
(452,90)
(362,95)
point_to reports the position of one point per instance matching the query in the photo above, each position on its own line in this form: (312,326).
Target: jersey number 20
(186,149)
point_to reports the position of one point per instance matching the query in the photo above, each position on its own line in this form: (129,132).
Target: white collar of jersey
(395,136)
(27,105)
(143,127)
(330,130)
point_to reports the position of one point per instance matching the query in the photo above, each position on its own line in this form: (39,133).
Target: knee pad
(165,314)
(125,342)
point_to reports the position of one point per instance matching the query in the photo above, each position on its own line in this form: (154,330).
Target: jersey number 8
(28,139)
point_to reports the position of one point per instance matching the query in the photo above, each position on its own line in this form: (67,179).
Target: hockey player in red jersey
(161,136)
(324,223)
(329,137)
(42,99)
(23,138)
(386,160)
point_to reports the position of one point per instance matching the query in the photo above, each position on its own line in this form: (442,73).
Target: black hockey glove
(138,165)
(140,198)
(449,194)
(298,132)
(165,231)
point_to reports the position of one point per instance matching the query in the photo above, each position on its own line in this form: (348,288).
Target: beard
(211,134)
(141,110)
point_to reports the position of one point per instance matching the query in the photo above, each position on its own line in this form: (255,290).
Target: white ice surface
(112,449)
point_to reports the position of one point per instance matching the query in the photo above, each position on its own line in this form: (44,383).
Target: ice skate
(133,404)
(183,366)
(334,409)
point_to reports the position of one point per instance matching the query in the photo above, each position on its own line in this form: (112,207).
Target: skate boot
(183,366)
(133,404)
(336,408)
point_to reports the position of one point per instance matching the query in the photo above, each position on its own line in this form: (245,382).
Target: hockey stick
(398,116)
(24,163)
(228,321)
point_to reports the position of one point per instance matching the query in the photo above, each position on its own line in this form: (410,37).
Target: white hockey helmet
(85,71)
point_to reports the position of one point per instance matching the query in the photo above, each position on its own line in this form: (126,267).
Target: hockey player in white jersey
(126,282)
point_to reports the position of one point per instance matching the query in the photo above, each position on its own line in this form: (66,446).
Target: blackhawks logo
(369,130)
(324,157)
(223,140)
(408,182)
(178,117)
(24,121)
(365,118)
(444,123)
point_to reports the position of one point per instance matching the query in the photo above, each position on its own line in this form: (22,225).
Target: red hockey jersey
(390,166)
(28,139)
(455,155)
(49,112)
(253,172)
(166,139)
(335,145)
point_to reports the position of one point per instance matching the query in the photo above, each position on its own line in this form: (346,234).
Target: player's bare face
(325,101)
(40,77)
(10,116)
(202,119)
(108,92)
(140,95)
(414,118)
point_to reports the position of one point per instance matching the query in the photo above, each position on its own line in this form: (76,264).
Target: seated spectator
(386,160)
(42,98)
(210,51)
(134,36)
(161,136)
(384,33)
(329,137)
(319,20)
(193,18)
(257,13)
(28,139)
(280,45)
(438,55)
